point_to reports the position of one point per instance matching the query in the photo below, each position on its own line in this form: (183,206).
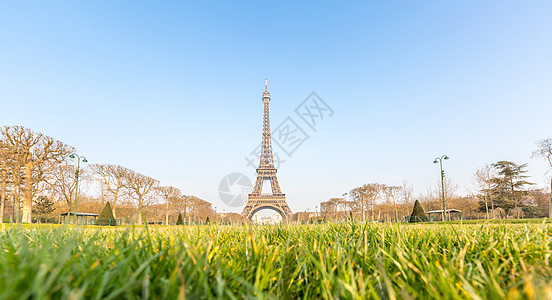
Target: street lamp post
(316,208)
(440,161)
(79,159)
(344,202)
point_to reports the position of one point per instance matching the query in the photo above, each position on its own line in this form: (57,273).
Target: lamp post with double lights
(79,159)
(440,161)
(344,201)
(316,208)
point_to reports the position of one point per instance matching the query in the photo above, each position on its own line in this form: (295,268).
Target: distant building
(267,220)
(437,215)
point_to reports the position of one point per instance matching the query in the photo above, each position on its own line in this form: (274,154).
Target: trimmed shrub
(179,221)
(106,216)
(418,213)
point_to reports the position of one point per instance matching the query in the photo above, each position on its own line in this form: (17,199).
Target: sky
(172,89)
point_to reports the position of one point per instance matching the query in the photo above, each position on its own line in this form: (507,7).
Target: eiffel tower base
(275,202)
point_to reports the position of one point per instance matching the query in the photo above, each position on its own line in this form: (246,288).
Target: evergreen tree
(509,186)
(418,214)
(106,216)
(179,221)
(43,206)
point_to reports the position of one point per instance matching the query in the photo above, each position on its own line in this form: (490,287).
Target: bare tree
(141,188)
(200,209)
(36,153)
(12,174)
(544,150)
(484,183)
(113,180)
(16,176)
(407,191)
(180,205)
(391,193)
(5,171)
(373,191)
(170,194)
(61,181)
(336,207)
(366,196)
(450,188)
(4,177)
(358,195)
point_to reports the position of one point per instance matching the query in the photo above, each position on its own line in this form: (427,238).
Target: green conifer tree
(179,221)
(418,214)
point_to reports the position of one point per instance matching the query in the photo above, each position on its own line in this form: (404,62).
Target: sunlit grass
(349,260)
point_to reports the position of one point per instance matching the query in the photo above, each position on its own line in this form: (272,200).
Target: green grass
(347,261)
(500,221)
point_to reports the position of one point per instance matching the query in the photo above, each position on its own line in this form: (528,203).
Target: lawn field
(331,261)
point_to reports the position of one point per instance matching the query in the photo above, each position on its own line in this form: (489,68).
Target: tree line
(501,190)
(38,178)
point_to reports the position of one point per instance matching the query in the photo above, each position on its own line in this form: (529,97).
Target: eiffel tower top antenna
(266,85)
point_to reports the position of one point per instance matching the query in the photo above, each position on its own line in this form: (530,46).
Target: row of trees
(35,168)
(501,190)
(370,202)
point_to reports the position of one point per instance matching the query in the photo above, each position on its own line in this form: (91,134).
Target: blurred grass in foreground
(347,260)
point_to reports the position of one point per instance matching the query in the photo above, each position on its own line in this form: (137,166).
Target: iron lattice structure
(266,171)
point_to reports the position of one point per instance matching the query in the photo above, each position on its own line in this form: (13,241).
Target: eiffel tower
(266,171)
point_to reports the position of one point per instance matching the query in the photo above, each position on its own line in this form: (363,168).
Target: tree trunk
(550,205)
(396,210)
(3,199)
(372,209)
(113,209)
(486,205)
(16,197)
(139,211)
(167,213)
(139,221)
(363,212)
(27,195)
(12,215)
(492,207)
(513,193)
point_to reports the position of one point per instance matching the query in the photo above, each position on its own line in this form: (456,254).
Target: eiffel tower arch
(266,172)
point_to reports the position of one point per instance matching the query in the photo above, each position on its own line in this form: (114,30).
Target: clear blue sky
(173,90)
